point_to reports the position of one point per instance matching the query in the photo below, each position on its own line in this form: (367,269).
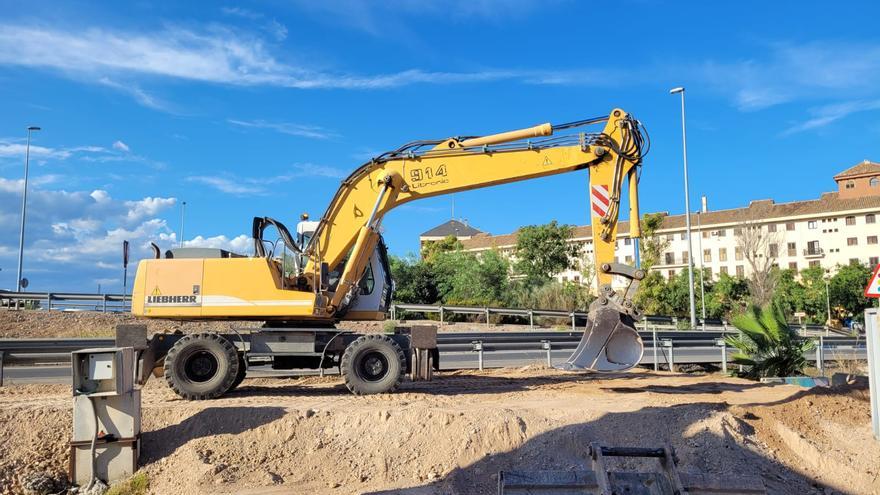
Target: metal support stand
(654,339)
(547,346)
(670,360)
(820,356)
(478,348)
(531,320)
(573,326)
(487,317)
(723,345)
(872,335)
(1,368)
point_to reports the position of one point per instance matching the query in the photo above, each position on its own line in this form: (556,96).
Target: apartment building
(837,228)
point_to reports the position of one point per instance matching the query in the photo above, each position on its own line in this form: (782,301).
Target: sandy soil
(42,324)
(453,435)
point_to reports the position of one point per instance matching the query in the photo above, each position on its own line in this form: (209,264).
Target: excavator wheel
(373,364)
(201,366)
(239,377)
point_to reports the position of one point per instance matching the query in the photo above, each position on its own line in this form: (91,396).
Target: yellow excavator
(336,267)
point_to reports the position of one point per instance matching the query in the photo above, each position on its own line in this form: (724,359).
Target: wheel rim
(200,366)
(373,366)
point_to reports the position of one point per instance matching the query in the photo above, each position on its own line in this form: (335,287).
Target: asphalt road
(451,360)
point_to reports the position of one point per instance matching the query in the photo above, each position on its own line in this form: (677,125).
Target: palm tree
(766,345)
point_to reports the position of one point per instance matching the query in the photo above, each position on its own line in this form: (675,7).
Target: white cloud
(240,244)
(229,185)
(309,131)
(216,55)
(827,114)
(313,170)
(121,146)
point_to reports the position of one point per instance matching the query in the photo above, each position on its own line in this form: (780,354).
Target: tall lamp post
(700,254)
(687,209)
(182,220)
(27,159)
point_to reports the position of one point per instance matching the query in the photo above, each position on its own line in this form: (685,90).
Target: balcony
(816,252)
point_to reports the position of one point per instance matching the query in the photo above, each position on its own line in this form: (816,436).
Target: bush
(766,346)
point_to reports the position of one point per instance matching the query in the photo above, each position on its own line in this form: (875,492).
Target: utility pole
(687,208)
(702,270)
(27,159)
(182,219)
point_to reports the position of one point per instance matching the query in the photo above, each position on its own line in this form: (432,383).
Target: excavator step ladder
(602,481)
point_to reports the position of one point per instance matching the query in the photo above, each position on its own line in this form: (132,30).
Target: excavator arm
(349,229)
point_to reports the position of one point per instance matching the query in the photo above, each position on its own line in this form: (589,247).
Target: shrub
(766,346)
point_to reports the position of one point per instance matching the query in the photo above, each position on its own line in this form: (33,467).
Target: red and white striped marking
(600,199)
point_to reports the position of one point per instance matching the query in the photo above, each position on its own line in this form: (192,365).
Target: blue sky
(259,108)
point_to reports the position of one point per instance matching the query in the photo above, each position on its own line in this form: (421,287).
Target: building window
(789,225)
(874,261)
(684,236)
(870,218)
(850,220)
(684,257)
(774,250)
(565,279)
(627,241)
(872,239)
(740,271)
(670,274)
(814,263)
(853,261)
(852,241)
(792,265)
(670,237)
(670,258)
(737,231)
(738,253)
(874,182)
(707,255)
(811,224)
(577,279)
(850,184)
(813,248)
(722,254)
(771,227)
(628,259)
(721,233)
(722,270)
(792,249)
(705,234)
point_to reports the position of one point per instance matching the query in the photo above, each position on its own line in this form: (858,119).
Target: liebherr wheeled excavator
(338,268)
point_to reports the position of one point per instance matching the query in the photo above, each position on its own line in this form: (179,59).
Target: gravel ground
(452,436)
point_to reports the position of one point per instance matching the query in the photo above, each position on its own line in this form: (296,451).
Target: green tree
(766,346)
(847,291)
(542,251)
(431,248)
(651,246)
(789,294)
(814,298)
(725,296)
(414,280)
(472,279)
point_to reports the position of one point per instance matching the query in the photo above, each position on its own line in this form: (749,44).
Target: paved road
(452,360)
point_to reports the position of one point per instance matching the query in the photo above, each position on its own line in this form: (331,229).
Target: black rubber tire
(373,364)
(201,366)
(239,377)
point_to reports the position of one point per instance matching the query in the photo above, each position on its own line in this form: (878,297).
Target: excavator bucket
(611,341)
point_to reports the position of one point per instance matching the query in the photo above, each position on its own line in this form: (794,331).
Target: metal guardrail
(675,347)
(648,322)
(68,300)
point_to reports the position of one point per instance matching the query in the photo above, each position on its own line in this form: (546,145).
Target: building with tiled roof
(837,228)
(460,230)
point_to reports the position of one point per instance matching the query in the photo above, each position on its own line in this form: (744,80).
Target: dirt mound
(44,324)
(453,435)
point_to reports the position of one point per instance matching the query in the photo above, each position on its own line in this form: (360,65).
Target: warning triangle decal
(156,291)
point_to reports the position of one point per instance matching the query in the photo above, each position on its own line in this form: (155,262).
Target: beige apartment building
(837,228)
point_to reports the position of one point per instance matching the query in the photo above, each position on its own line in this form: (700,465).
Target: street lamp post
(827,301)
(687,209)
(700,254)
(27,159)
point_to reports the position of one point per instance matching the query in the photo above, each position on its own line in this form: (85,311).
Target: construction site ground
(449,436)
